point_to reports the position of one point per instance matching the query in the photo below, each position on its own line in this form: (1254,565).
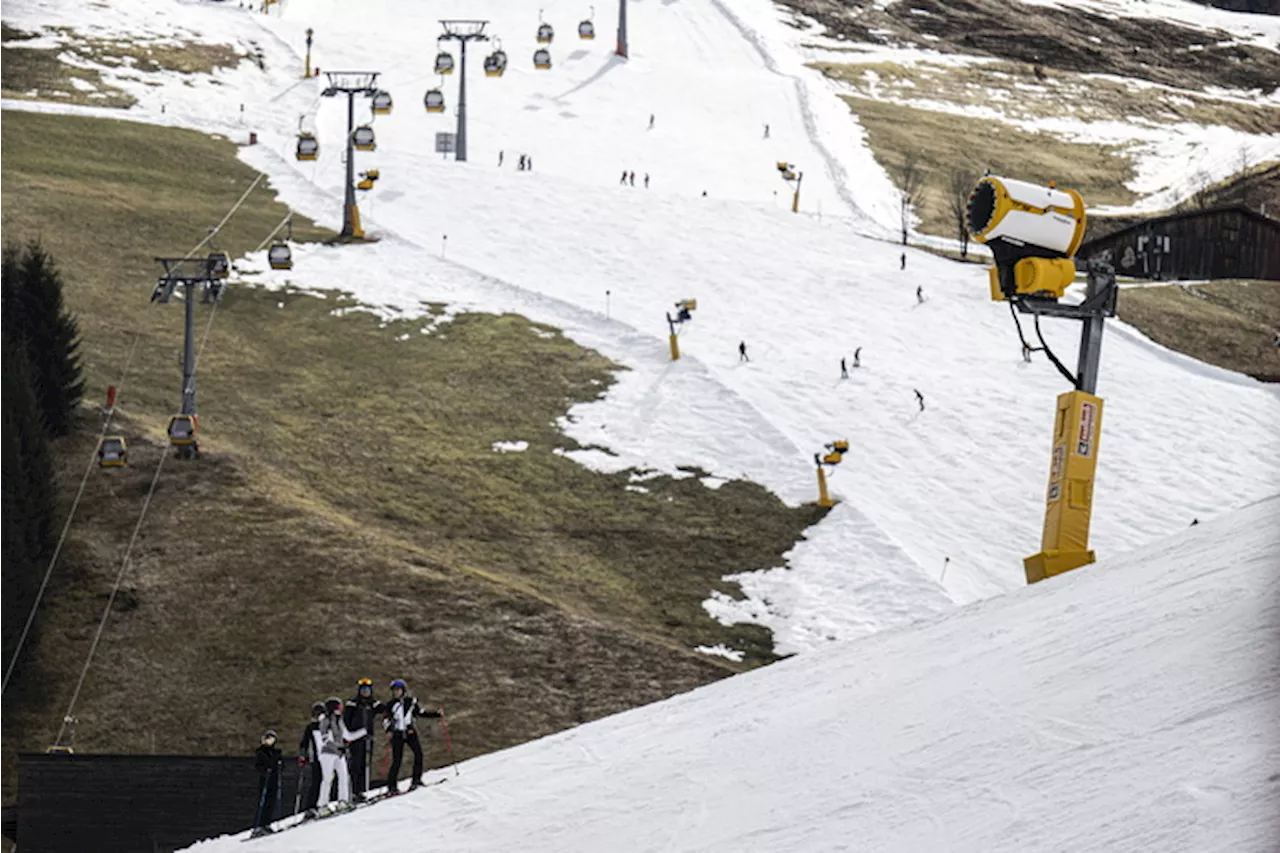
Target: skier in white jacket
(331,737)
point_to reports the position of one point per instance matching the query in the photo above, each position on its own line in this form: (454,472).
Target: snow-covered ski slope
(1130,707)
(962,480)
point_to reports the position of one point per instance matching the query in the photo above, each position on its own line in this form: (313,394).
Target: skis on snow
(337,809)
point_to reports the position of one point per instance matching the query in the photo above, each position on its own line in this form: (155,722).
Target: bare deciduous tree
(910,177)
(961,184)
(1200,184)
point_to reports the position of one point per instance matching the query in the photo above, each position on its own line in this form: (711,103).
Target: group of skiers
(630,178)
(337,747)
(524,164)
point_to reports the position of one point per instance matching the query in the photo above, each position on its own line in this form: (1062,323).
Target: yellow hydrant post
(824,499)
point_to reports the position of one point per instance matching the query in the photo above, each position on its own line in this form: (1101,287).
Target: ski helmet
(364,683)
(270,734)
(399,682)
(333,705)
(317,708)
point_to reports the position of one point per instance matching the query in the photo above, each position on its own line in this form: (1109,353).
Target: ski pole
(448,741)
(297,794)
(279,789)
(262,799)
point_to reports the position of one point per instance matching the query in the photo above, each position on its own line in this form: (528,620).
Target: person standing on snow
(401,711)
(857,357)
(902,261)
(623,182)
(307,756)
(651,121)
(919,294)
(919,398)
(766,131)
(331,738)
(500,153)
(646,180)
(742,351)
(844,369)
(358,715)
(266,759)
(631,178)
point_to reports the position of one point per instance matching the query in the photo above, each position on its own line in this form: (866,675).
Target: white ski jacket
(332,735)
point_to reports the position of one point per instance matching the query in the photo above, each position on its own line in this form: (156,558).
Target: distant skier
(266,760)
(309,757)
(919,398)
(622,182)
(401,711)
(919,294)
(1026,353)
(500,153)
(902,261)
(766,131)
(359,714)
(704,193)
(646,180)
(857,357)
(520,163)
(528,162)
(332,737)
(742,351)
(844,369)
(631,178)
(651,121)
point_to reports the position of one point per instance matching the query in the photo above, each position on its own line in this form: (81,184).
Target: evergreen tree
(34,309)
(26,490)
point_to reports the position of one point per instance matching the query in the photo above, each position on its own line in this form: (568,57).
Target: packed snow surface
(565,244)
(1131,705)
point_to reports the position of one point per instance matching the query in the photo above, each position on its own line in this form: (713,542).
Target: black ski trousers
(398,740)
(311,797)
(357,758)
(267,784)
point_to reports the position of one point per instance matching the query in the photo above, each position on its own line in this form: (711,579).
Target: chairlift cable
(66,526)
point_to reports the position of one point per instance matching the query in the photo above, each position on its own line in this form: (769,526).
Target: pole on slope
(448,741)
(307,72)
(621,49)
(460,151)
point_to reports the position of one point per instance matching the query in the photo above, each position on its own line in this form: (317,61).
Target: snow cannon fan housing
(1033,232)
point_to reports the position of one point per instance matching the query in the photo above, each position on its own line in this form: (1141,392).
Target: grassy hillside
(349,516)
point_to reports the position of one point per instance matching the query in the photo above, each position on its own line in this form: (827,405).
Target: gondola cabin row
(280,256)
(381,103)
(542,59)
(308,147)
(434,101)
(363,139)
(113,452)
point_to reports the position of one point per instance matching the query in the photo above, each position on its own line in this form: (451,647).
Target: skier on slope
(919,294)
(919,398)
(844,369)
(742,351)
(623,182)
(332,737)
(357,715)
(307,756)
(401,711)
(857,357)
(266,759)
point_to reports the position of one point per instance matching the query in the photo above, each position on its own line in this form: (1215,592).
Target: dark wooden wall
(1210,244)
(135,803)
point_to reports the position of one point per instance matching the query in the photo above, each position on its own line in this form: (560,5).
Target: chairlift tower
(351,83)
(463,32)
(188,272)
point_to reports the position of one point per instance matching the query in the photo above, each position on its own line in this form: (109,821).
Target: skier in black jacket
(401,711)
(358,714)
(307,756)
(267,762)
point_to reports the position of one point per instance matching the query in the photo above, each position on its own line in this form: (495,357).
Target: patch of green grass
(1224,323)
(349,516)
(37,74)
(946,142)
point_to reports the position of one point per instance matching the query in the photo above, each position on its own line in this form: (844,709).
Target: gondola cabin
(308,147)
(545,34)
(280,256)
(113,452)
(495,63)
(182,430)
(219,264)
(363,139)
(434,101)
(444,62)
(381,103)
(542,58)
(586,30)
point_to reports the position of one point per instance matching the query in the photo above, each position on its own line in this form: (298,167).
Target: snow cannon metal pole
(1033,232)
(306,73)
(621,49)
(672,339)
(795,199)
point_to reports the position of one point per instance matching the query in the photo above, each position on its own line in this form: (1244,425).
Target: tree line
(42,389)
